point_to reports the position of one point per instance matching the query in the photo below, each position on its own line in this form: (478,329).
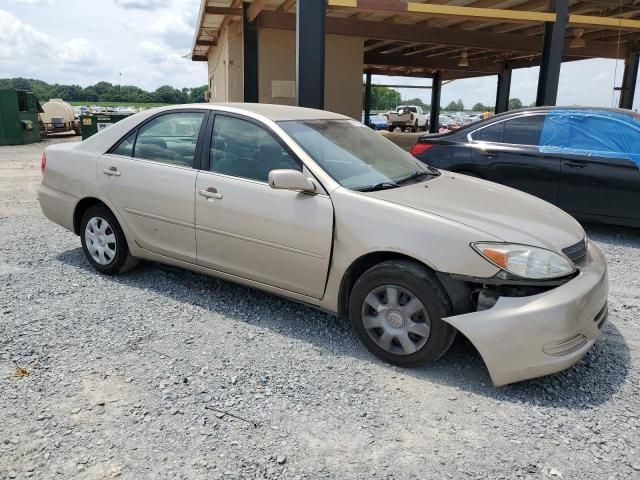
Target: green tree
(384,98)
(479,107)
(515,103)
(455,106)
(418,102)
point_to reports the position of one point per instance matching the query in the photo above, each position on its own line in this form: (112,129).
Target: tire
(101,232)
(390,128)
(414,128)
(432,337)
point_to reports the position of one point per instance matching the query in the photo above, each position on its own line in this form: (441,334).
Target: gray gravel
(161,373)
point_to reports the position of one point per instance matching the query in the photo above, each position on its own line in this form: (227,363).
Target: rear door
(507,152)
(601,181)
(246,228)
(150,179)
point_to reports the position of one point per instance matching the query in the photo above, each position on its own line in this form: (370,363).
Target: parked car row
(584,160)
(312,206)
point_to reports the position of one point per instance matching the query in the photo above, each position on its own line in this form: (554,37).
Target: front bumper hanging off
(527,337)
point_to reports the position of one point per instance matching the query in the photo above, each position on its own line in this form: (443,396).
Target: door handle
(111,171)
(490,154)
(210,193)
(575,164)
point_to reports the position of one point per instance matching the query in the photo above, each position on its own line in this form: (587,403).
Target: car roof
(279,113)
(566,109)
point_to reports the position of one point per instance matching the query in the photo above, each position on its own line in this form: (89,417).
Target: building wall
(277,69)
(343,70)
(225,66)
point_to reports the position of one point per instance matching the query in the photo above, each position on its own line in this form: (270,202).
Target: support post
(367,99)
(629,80)
(436,89)
(251,91)
(504,89)
(552,49)
(310,52)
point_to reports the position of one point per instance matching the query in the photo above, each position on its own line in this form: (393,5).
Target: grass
(119,104)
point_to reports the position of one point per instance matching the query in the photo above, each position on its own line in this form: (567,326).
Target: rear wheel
(396,310)
(390,128)
(414,128)
(103,241)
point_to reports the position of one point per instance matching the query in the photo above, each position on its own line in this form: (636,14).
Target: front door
(245,228)
(150,179)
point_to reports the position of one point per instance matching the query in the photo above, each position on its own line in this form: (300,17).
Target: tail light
(412,116)
(43,162)
(420,148)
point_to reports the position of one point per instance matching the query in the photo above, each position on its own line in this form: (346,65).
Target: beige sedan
(316,207)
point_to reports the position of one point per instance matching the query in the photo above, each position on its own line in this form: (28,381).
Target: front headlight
(525,261)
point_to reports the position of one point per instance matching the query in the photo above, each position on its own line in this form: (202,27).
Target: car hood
(500,211)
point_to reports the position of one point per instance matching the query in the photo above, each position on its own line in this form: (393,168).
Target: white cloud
(33,2)
(25,50)
(175,30)
(141,4)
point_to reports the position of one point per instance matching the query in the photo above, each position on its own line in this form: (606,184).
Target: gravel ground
(161,373)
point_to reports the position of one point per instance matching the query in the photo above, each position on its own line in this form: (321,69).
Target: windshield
(354,155)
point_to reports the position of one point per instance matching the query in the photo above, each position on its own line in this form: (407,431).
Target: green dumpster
(96,122)
(19,123)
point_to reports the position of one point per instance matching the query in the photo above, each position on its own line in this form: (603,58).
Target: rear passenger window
(170,138)
(492,133)
(126,146)
(523,130)
(243,149)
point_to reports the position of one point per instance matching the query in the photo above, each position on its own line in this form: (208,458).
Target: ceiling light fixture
(578,41)
(464,59)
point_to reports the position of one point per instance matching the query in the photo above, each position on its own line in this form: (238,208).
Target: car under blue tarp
(598,133)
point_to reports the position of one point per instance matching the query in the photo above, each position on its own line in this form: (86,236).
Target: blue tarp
(593,133)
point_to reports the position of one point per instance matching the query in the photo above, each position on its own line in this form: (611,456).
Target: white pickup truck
(407,116)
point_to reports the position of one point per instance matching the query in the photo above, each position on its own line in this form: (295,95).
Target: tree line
(106,92)
(385,98)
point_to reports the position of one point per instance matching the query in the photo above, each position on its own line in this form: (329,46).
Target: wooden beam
(440,64)
(256,7)
(611,22)
(286,5)
(477,13)
(199,58)
(437,36)
(206,42)
(211,10)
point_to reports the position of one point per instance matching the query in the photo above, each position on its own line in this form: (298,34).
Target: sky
(145,42)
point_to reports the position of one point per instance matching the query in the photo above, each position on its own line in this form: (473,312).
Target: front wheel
(396,310)
(103,241)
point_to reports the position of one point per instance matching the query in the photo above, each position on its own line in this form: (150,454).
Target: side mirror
(290,180)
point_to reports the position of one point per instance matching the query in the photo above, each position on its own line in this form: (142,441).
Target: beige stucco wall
(277,69)
(225,66)
(343,70)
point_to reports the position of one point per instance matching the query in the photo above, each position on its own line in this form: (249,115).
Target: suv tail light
(420,148)
(43,162)
(412,116)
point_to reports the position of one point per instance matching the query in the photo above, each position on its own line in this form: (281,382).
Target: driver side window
(243,149)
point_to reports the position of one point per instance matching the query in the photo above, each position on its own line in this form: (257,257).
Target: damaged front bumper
(527,337)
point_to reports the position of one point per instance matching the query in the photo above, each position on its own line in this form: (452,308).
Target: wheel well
(82,206)
(358,267)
